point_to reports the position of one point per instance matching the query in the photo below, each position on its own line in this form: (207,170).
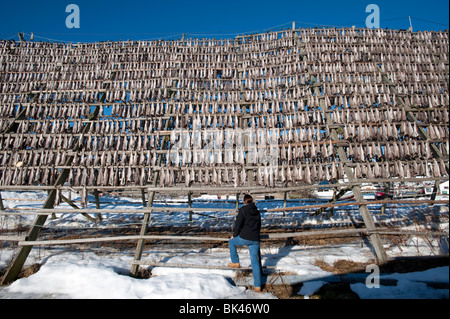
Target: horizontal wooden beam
(178,265)
(226,189)
(116,238)
(144,210)
(372,202)
(200,209)
(12,238)
(196,167)
(331,232)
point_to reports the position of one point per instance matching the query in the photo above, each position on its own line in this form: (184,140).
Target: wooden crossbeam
(151,197)
(264,237)
(204,266)
(68,201)
(363,209)
(119,238)
(380,252)
(336,197)
(411,117)
(230,210)
(229,189)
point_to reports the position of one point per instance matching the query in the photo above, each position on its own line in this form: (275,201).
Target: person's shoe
(234,265)
(257,289)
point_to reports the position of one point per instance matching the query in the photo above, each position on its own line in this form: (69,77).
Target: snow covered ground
(98,272)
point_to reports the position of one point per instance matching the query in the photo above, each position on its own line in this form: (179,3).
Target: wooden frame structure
(271,112)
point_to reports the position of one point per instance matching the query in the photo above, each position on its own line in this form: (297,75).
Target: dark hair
(248,199)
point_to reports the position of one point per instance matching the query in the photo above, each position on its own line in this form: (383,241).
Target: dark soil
(342,290)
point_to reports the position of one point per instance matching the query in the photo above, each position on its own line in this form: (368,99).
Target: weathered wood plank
(329,232)
(178,265)
(117,238)
(186,209)
(228,189)
(20,258)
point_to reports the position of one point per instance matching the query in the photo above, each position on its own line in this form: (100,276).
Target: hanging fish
(358,172)
(112,176)
(226,178)
(436,168)
(187,178)
(214,176)
(219,177)
(307,174)
(243,176)
(105,176)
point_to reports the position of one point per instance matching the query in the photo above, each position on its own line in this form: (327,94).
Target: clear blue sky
(165,19)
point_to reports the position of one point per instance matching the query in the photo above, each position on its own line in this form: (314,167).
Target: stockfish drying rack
(266,113)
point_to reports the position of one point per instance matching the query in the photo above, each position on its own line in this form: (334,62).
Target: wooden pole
(190,205)
(97,204)
(76,207)
(387,190)
(178,265)
(335,198)
(20,258)
(177,209)
(327,232)
(374,238)
(358,203)
(412,118)
(140,244)
(151,197)
(1,202)
(144,202)
(435,191)
(230,189)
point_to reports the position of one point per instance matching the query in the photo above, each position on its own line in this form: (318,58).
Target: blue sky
(133,19)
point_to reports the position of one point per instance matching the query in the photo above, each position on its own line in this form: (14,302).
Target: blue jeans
(253,247)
